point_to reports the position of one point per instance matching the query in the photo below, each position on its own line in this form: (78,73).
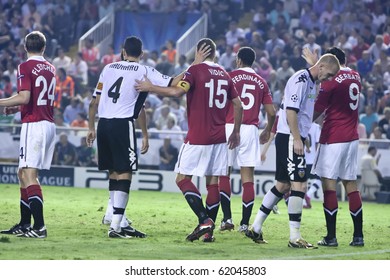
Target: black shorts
(117,145)
(289,165)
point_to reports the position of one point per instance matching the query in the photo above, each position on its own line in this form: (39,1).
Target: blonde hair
(330,59)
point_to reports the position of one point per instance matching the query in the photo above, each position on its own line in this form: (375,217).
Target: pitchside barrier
(149,177)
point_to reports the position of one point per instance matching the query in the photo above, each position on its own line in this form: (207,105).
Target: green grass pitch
(73,219)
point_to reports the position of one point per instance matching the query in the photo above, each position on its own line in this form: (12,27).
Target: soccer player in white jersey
(295,118)
(118,104)
(36,87)
(254,93)
(337,156)
(208,89)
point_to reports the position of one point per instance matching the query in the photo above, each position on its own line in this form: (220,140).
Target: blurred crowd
(276,30)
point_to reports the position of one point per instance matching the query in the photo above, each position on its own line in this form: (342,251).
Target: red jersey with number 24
(37,76)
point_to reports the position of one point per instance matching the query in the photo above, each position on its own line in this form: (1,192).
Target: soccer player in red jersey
(36,84)
(209,90)
(254,92)
(337,156)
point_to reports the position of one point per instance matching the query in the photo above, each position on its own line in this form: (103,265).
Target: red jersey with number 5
(37,76)
(339,99)
(208,99)
(253,91)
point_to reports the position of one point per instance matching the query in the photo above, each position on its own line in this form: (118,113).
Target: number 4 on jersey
(114,91)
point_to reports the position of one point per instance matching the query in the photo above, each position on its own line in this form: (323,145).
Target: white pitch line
(337,255)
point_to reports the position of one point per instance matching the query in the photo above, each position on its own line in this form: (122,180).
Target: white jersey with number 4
(118,97)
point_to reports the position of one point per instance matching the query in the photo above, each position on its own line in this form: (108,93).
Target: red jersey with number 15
(253,91)
(208,99)
(37,76)
(339,99)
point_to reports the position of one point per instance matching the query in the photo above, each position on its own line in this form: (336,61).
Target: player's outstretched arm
(22,98)
(147,86)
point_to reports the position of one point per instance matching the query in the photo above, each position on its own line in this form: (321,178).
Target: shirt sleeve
(294,94)
(267,97)
(23,78)
(99,86)
(323,97)
(156,78)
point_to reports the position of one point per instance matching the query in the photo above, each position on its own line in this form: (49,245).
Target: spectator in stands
(285,71)
(177,109)
(371,176)
(384,123)
(261,21)
(362,131)
(264,69)
(273,41)
(85,154)
(105,8)
(277,57)
(369,119)
(234,33)
(78,69)
(384,61)
(146,60)
(168,155)
(371,99)
(228,58)
(327,15)
(376,48)
(164,66)
(278,11)
(31,15)
(109,57)
(91,55)
(172,127)
(181,66)
(60,124)
(11,72)
(378,15)
(367,35)
(64,152)
(62,60)
(88,17)
(5,87)
(365,64)
(80,121)
(170,51)
(312,45)
(296,60)
(64,89)
(292,8)
(62,27)
(163,118)
(73,109)
(48,22)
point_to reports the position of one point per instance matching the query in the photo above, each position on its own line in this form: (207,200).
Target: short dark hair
(208,42)
(35,42)
(339,53)
(133,46)
(247,55)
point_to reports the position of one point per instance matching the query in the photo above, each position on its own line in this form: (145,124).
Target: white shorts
(37,144)
(338,160)
(247,153)
(202,160)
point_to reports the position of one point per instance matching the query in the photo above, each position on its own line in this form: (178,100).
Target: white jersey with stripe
(118,97)
(299,95)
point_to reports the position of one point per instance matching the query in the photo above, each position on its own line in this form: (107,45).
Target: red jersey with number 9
(208,100)
(37,76)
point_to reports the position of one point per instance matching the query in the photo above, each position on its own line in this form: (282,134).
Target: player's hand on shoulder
(143,85)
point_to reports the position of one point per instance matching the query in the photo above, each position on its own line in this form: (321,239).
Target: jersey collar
(36,57)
